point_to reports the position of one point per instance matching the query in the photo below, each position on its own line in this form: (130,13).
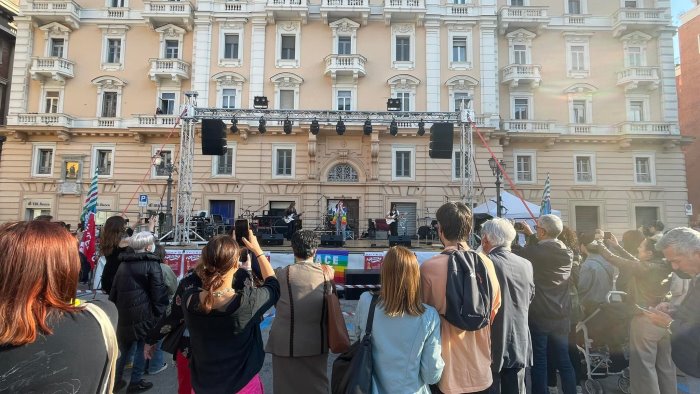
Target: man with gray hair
(511,347)
(550,309)
(681,247)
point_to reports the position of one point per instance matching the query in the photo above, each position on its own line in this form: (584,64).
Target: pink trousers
(255,386)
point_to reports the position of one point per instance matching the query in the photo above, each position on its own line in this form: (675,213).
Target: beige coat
(307,336)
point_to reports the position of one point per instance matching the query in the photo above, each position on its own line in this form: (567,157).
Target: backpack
(468,294)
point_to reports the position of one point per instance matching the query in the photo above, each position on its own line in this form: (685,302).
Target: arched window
(343,173)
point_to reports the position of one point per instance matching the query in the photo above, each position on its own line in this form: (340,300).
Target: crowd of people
(518,307)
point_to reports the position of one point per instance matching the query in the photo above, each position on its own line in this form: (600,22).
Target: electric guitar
(291,217)
(392,218)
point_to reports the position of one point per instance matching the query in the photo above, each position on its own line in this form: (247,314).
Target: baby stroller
(597,357)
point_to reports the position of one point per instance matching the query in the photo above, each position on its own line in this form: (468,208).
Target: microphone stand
(321,216)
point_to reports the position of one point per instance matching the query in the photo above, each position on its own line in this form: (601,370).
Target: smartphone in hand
(241,228)
(643,308)
(607,235)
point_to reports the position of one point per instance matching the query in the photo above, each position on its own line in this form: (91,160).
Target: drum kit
(428,228)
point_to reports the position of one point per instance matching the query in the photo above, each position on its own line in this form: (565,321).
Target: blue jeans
(560,342)
(340,228)
(156,361)
(127,351)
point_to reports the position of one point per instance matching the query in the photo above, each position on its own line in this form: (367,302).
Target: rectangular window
(230,46)
(461,2)
(405,98)
(288,46)
(403,49)
(519,54)
(457,162)
(57,45)
(284,162)
(44,161)
(584,169)
(344,45)
(109,104)
(172,49)
(286,99)
(51,103)
(575,7)
(523,168)
(461,98)
(636,111)
(646,215)
(224,164)
(344,100)
(517,3)
(578,58)
(521,110)
(402,163)
(103,158)
(167,103)
(114,50)
(631,4)
(167,155)
(579,111)
(634,57)
(643,170)
(586,218)
(459,49)
(228,98)
(117,3)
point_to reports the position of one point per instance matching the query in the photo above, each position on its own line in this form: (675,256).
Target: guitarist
(392,220)
(291,216)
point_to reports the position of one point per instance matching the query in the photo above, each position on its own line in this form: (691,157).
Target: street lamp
(496,169)
(169,167)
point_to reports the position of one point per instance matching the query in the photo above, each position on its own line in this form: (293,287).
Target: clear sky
(677,8)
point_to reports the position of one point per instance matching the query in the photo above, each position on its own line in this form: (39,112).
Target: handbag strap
(291,314)
(110,338)
(370,315)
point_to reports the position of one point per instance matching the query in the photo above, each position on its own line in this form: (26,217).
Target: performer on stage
(291,213)
(392,219)
(340,219)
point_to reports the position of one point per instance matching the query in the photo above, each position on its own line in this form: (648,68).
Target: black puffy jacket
(140,295)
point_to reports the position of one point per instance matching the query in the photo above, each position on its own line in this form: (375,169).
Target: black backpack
(468,293)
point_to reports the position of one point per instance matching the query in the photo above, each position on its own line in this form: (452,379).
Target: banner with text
(338,259)
(173,258)
(191,259)
(374,260)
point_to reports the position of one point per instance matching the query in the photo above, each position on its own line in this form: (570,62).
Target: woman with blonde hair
(405,333)
(224,323)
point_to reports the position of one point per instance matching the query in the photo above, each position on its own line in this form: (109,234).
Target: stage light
(393,104)
(340,127)
(261,125)
(393,128)
(367,128)
(421,128)
(260,102)
(234,126)
(314,128)
(287,126)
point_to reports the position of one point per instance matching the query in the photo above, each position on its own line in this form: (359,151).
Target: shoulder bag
(338,338)
(107,385)
(352,370)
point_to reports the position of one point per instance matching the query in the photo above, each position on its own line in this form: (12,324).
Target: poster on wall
(191,258)
(374,260)
(173,258)
(338,259)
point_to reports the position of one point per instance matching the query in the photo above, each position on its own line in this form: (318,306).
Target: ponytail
(219,256)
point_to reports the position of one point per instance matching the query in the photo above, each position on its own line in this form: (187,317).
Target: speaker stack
(441,140)
(213,137)
(401,240)
(332,240)
(272,239)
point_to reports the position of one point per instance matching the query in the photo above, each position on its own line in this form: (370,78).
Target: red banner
(191,259)
(373,260)
(87,243)
(173,258)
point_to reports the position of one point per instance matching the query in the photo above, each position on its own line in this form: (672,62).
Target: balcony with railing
(163,12)
(51,68)
(167,121)
(173,69)
(648,20)
(345,65)
(47,11)
(531,126)
(404,11)
(639,77)
(287,10)
(29,119)
(336,9)
(522,17)
(648,128)
(522,75)
(231,6)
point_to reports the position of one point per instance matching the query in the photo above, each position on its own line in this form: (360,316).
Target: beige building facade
(581,90)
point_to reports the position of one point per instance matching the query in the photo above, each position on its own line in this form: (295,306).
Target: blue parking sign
(143,200)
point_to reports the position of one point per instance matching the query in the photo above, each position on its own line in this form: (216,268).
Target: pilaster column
(489,68)
(257,59)
(669,97)
(432,66)
(201,59)
(20,68)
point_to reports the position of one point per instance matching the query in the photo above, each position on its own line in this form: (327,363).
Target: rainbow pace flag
(546,206)
(88,241)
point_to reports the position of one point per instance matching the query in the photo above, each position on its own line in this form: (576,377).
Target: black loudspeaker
(359,277)
(441,138)
(213,137)
(332,240)
(402,240)
(272,239)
